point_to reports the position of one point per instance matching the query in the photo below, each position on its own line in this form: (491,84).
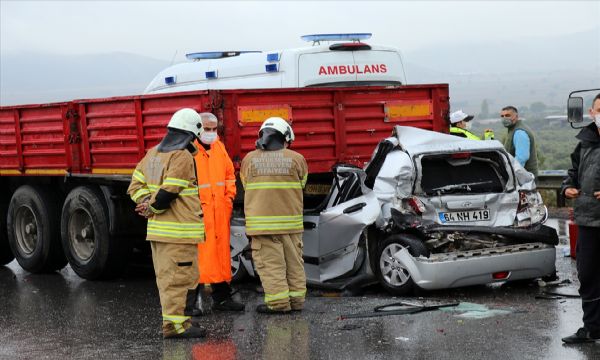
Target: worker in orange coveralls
(216,184)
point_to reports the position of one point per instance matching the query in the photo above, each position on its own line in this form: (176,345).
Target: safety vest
(273,182)
(463,133)
(174,172)
(216,182)
(532,164)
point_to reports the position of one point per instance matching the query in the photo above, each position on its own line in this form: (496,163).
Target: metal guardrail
(552,180)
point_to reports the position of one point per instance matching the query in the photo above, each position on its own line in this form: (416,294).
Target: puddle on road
(475,311)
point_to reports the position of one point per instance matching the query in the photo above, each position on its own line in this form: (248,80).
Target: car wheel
(393,274)
(6,254)
(238,271)
(33,232)
(92,252)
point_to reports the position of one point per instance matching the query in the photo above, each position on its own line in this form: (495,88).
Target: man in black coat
(583,185)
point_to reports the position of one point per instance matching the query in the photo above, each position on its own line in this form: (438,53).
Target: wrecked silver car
(429,210)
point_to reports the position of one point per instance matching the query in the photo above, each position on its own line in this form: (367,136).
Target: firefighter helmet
(281,126)
(187,120)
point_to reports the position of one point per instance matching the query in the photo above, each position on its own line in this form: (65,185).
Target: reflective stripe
(304,178)
(220,183)
(140,193)
(298,293)
(273,185)
(189,192)
(257,223)
(203,186)
(153,188)
(175,182)
(175,230)
(139,176)
(230,181)
(279,296)
(156,211)
(177,321)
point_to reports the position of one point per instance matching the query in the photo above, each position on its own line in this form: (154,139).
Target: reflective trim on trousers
(279,296)
(298,293)
(177,321)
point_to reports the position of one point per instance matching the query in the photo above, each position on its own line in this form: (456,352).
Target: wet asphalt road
(59,315)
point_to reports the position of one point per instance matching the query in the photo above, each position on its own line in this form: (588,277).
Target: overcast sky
(160,28)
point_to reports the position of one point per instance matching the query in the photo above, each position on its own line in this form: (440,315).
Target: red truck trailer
(64,167)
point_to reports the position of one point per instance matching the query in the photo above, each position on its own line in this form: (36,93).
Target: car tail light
(461,155)
(501,275)
(531,209)
(523,202)
(416,205)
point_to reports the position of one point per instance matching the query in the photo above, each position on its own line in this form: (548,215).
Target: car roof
(419,141)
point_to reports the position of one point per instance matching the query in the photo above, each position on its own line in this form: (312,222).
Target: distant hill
(518,73)
(42,77)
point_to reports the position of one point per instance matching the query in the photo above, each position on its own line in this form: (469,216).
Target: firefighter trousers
(176,269)
(278,261)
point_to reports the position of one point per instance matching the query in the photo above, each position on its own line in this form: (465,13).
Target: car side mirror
(575,109)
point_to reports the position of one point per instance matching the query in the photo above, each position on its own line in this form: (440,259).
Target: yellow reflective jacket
(273,198)
(173,171)
(463,133)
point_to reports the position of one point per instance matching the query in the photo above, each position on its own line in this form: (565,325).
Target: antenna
(173,59)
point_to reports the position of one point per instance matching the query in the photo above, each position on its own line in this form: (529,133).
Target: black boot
(222,300)
(192,332)
(264,309)
(190,303)
(581,336)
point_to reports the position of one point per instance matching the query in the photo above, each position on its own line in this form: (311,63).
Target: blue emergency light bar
(335,37)
(216,54)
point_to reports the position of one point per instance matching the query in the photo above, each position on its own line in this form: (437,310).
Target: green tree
(485,109)
(538,107)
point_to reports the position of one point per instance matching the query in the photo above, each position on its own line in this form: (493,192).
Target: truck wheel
(91,251)
(33,232)
(6,254)
(238,271)
(391,273)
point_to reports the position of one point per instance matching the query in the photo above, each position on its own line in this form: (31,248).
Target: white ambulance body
(346,63)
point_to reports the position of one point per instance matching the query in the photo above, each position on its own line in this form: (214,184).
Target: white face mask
(208,137)
(468,125)
(597,120)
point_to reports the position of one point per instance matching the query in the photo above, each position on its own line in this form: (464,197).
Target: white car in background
(430,210)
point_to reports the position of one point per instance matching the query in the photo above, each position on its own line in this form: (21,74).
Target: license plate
(463,216)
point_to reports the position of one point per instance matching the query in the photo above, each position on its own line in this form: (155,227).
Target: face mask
(468,126)
(208,137)
(507,122)
(597,120)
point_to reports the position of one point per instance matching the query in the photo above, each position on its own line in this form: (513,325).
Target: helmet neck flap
(270,139)
(177,139)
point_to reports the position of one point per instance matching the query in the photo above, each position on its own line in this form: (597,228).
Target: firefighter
(460,126)
(216,183)
(274,178)
(164,187)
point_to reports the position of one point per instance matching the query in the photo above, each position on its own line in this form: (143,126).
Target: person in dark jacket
(583,185)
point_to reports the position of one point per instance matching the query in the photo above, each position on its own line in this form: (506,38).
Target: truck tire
(6,254)
(92,252)
(33,231)
(391,273)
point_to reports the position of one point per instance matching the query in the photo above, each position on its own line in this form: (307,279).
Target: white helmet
(187,120)
(281,126)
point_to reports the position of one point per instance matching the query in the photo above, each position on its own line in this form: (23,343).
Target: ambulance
(333,60)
